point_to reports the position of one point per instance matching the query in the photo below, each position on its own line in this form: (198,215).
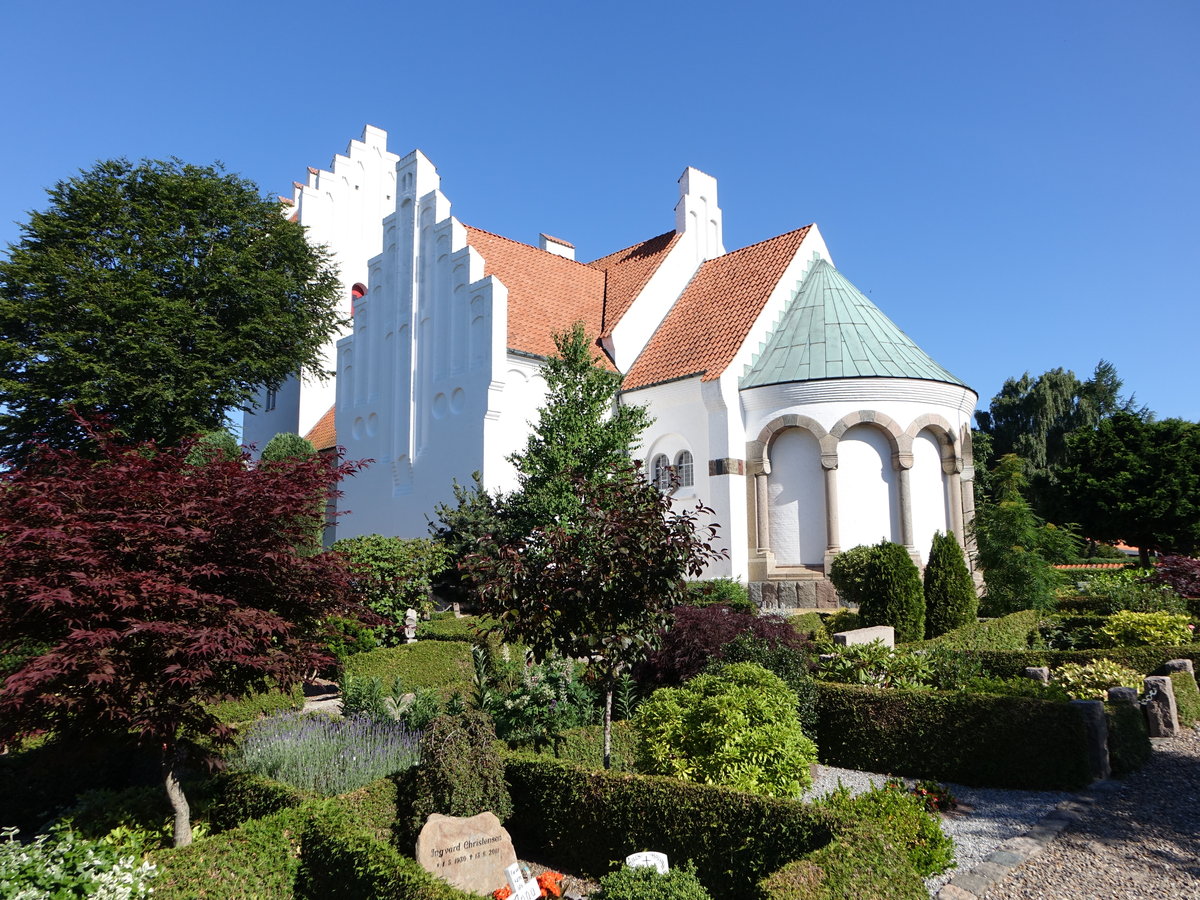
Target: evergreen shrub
(461,771)
(791,665)
(287,445)
(736,726)
(392,575)
(886,585)
(213,444)
(975,739)
(239,797)
(1187,698)
(1091,681)
(950,600)
(1016,631)
(444,666)
(1126,628)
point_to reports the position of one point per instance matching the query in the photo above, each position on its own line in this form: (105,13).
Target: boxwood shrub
(1187,698)
(1010,663)
(442,665)
(242,796)
(1015,631)
(976,739)
(580,821)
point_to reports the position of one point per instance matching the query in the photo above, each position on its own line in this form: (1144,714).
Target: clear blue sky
(1015,184)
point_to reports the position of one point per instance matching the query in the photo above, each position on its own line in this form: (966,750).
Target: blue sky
(1015,184)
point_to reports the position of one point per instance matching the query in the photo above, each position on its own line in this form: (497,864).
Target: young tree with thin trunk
(601,586)
(136,587)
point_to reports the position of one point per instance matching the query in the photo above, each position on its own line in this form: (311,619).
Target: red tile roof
(626,273)
(322,435)
(710,321)
(547,293)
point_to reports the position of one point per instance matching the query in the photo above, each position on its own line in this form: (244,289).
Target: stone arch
(758,451)
(946,437)
(898,440)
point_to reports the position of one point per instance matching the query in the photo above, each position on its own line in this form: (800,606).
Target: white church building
(785,399)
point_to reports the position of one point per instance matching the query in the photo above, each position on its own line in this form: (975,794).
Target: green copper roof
(830,330)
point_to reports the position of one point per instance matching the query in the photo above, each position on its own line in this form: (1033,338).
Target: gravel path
(1140,843)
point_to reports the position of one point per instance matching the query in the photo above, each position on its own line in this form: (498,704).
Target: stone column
(956,509)
(831,513)
(906,525)
(1162,715)
(966,496)
(762,511)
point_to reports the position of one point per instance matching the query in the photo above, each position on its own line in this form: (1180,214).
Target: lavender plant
(327,755)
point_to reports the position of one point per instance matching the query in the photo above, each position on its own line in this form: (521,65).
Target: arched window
(660,472)
(683,468)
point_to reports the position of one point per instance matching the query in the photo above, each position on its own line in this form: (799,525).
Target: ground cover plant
(645,883)
(1091,681)
(62,864)
(144,588)
(325,754)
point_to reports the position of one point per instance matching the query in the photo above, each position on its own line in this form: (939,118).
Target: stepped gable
(627,272)
(323,436)
(709,323)
(831,330)
(547,294)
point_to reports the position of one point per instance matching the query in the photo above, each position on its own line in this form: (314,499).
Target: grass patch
(444,666)
(1187,698)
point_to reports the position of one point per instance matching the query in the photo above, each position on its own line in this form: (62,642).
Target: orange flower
(502,893)
(550,883)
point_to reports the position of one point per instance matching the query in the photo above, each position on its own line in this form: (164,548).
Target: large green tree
(1032,418)
(157,295)
(1137,481)
(582,429)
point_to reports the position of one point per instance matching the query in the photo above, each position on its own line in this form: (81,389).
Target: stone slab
(1162,716)
(885,633)
(469,853)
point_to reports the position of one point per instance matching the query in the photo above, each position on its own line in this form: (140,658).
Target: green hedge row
(448,627)
(442,665)
(1187,698)
(1012,632)
(247,709)
(1009,742)
(584,746)
(1010,663)
(340,858)
(580,821)
(241,796)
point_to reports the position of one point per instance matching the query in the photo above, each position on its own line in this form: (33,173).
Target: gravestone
(885,633)
(650,859)
(470,853)
(1162,716)
(1037,673)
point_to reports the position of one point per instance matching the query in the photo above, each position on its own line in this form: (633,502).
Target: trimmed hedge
(864,862)
(247,709)
(256,859)
(242,796)
(339,858)
(581,820)
(584,747)
(1010,663)
(448,627)
(975,739)
(441,665)
(1187,698)
(1015,631)
(1128,740)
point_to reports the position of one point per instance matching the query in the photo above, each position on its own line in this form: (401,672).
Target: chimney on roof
(557,246)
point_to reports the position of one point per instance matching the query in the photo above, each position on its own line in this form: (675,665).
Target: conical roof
(830,330)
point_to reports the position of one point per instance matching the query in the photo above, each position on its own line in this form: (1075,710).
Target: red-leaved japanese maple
(135,588)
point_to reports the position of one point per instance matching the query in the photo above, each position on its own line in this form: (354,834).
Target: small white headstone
(650,859)
(522,889)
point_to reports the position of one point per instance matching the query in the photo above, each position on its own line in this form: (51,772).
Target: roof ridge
(760,243)
(523,244)
(630,247)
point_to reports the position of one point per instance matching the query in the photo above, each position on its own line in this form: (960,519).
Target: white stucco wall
(343,209)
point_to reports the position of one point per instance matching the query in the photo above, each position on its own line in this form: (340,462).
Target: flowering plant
(936,797)
(549,882)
